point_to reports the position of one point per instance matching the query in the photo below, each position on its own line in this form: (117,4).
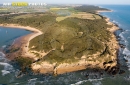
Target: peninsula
(64,39)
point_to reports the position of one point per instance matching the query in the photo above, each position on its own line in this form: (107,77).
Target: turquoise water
(8,72)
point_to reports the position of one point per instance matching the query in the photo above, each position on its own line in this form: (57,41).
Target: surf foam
(7,68)
(91,80)
(4,72)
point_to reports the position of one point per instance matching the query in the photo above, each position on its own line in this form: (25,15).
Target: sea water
(7,37)
(120,16)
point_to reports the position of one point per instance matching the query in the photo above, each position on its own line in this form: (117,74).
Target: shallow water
(8,35)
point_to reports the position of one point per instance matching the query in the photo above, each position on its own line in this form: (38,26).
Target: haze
(72,1)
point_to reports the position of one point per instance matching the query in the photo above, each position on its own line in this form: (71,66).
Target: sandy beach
(23,41)
(20,27)
(104,11)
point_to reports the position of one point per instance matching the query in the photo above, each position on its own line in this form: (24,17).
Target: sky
(70,1)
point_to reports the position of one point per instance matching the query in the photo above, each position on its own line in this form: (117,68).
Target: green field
(81,15)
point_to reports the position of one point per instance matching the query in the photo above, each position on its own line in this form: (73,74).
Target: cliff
(103,58)
(72,44)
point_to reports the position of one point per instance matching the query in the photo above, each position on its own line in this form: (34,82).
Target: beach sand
(104,11)
(23,41)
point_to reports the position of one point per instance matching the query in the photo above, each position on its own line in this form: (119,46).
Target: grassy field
(57,8)
(27,16)
(71,12)
(81,15)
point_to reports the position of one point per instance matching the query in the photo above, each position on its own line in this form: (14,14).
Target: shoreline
(113,29)
(63,68)
(98,11)
(23,41)
(16,26)
(82,64)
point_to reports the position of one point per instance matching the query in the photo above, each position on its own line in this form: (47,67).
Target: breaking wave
(32,81)
(125,36)
(7,68)
(126,52)
(4,72)
(91,80)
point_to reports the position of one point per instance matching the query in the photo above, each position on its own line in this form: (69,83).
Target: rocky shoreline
(44,68)
(110,66)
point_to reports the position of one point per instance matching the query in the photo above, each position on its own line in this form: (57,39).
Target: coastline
(20,27)
(82,64)
(104,11)
(113,29)
(23,41)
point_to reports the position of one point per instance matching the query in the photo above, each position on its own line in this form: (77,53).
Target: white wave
(121,35)
(125,41)
(126,52)
(7,66)
(17,83)
(2,57)
(32,81)
(4,64)
(123,38)
(3,60)
(4,46)
(97,83)
(127,57)
(127,30)
(91,80)
(115,21)
(4,72)
(2,54)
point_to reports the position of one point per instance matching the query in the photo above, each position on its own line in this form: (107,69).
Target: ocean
(8,35)
(120,16)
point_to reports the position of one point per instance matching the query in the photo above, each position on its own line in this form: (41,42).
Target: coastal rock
(69,46)
(55,69)
(114,70)
(44,68)
(121,72)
